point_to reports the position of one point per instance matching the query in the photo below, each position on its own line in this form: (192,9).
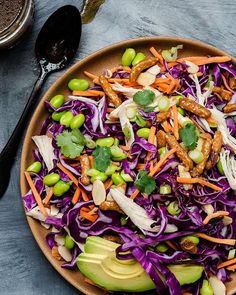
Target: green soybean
(101,176)
(69,243)
(117,179)
(51,179)
(35,167)
(57,101)
(61,187)
(143,132)
(161,247)
(173,208)
(78,84)
(123,220)
(66,119)
(116,151)
(206,288)
(105,142)
(139,57)
(77,121)
(57,116)
(162,151)
(128,57)
(90,143)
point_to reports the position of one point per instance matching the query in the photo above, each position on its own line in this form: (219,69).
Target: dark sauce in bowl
(9,11)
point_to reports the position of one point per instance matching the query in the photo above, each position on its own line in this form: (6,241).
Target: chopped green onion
(171,55)
(193,239)
(111,169)
(126,177)
(181,111)
(231,254)
(117,179)
(220,168)
(93,172)
(123,220)
(209,81)
(196,156)
(165,189)
(206,288)
(131,113)
(126,131)
(173,208)
(177,97)
(163,104)
(161,151)
(161,247)
(140,121)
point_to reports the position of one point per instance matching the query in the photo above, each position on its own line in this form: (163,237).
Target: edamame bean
(78,84)
(111,169)
(118,159)
(143,132)
(139,57)
(66,119)
(123,220)
(173,208)
(101,176)
(105,142)
(116,151)
(57,101)
(35,167)
(117,179)
(90,143)
(162,151)
(57,116)
(61,187)
(206,288)
(77,121)
(69,243)
(51,179)
(128,56)
(161,247)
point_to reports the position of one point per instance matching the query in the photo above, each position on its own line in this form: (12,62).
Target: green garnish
(102,158)
(144,183)
(71,143)
(234,118)
(149,109)
(189,136)
(144,98)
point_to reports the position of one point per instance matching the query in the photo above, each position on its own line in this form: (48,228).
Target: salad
(135,174)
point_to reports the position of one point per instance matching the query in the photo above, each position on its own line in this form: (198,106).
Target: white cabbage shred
(202,97)
(137,214)
(44,144)
(100,106)
(229,167)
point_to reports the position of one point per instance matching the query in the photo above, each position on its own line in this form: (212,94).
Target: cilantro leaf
(149,109)
(71,143)
(144,97)
(102,158)
(189,136)
(144,183)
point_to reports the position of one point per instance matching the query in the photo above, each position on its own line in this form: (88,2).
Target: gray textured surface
(23,268)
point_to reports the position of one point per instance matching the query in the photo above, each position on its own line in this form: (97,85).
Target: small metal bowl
(14,33)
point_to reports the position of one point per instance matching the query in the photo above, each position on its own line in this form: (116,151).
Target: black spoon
(55,46)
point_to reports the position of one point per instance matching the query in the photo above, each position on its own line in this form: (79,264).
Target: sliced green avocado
(99,263)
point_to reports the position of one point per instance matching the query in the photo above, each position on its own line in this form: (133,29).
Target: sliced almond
(65,253)
(154,70)
(98,192)
(185,174)
(54,230)
(109,198)
(208,208)
(217,286)
(60,240)
(45,225)
(54,210)
(146,79)
(55,253)
(227,220)
(192,68)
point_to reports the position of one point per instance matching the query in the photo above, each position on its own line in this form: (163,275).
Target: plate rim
(51,89)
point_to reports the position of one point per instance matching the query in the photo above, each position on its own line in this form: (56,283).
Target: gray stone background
(23,268)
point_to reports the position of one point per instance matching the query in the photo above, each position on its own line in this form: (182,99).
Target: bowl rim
(52,88)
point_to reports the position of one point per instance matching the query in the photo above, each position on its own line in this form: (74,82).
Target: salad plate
(106,59)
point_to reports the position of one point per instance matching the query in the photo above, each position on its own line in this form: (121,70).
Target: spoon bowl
(55,47)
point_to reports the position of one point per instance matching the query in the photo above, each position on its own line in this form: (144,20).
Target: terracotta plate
(105,58)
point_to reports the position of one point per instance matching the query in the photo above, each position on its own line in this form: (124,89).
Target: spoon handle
(8,153)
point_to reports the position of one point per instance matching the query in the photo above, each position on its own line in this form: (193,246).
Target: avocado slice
(99,263)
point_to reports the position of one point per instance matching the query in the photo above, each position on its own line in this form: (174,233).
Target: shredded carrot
(230,242)
(84,195)
(163,87)
(124,147)
(226,83)
(156,54)
(173,83)
(108,183)
(48,196)
(120,80)
(96,81)
(76,195)
(91,160)
(226,263)
(167,127)
(214,215)
(202,60)
(232,267)
(162,161)
(187,293)
(68,173)
(162,80)
(36,194)
(88,216)
(151,139)
(109,110)
(74,164)
(141,166)
(176,125)
(88,93)
(198,180)
(134,194)
(171,245)
(90,75)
